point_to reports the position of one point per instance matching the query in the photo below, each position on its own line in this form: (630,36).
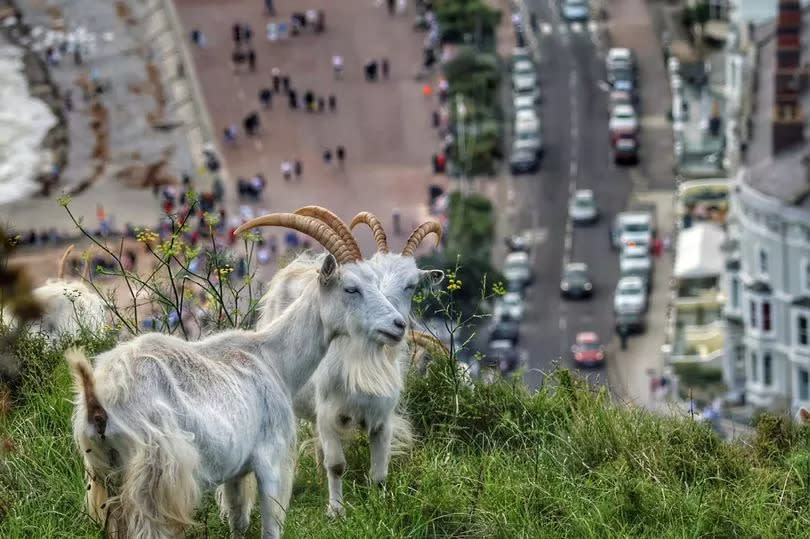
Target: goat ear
(804,415)
(328,270)
(434,277)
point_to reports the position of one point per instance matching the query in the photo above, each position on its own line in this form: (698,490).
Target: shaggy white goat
(68,305)
(159,419)
(356,385)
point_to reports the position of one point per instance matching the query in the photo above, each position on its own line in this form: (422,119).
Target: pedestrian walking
(230,135)
(332,103)
(340,153)
(392,6)
(427,90)
(197,37)
(293,97)
(238,57)
(385,68)
(251,57)
(266,98)
(285,83)
(327,156)
(247,33)
(309,99)
(337,66)
(371,70)
(236,33)
(298,169)
(269,7)
(321,104)
(286,170)
(77,54)
(276,75)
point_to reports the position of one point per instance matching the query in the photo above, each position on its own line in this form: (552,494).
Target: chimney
(788,116)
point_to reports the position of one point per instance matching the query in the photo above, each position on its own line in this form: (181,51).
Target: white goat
(67,305)
(158,419)
(356,385)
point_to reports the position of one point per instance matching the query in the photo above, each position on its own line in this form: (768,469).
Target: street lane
(574,115)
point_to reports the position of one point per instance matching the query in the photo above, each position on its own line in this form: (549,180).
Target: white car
(523,74)
(528,140)
(517,268)
(582,207)
(509,306)
(524,102)
(630,296)
(619,58)
(575,10)
(623,118)
(635,258)
(527,117)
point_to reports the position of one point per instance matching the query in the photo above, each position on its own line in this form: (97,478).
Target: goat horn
(335,223)
(419,234)
(426,340)
(317,230)
(376,228)
(60,272)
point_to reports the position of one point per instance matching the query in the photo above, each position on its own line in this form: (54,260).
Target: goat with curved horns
(159,419)
(356,384)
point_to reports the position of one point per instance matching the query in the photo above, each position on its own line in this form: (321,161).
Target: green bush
(472,18)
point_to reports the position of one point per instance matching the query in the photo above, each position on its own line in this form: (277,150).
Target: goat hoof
(335,511)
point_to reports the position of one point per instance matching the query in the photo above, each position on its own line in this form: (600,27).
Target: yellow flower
(146,236)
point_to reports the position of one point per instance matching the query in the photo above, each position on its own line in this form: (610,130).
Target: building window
(801,330)
(804,384)
(753,314)
(766,316)
(754,367)
(767,369)
(735,293)
(763,261)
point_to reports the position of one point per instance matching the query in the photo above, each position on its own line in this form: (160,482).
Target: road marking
(535,236)
(572,170)
(572,80)
(546,28)
(576,27)
(563,324)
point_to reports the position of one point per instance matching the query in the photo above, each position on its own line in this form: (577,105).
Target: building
(767,312)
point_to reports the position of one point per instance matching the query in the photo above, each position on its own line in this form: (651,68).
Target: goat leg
(380,442)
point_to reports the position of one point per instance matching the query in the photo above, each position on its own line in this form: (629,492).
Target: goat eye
(351,290)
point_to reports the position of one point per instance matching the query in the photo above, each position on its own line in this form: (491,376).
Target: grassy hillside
(490,462)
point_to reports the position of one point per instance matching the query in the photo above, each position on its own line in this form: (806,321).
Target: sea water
(24,122)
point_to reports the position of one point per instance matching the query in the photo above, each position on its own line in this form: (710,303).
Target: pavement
(384,125)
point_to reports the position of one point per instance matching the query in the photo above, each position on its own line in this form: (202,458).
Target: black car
(523,160)
(634,322)
(576,283)
(506,330)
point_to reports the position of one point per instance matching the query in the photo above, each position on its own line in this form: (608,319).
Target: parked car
(521,54)
(523,102)
(632,321)
(575,10)
(587,350)
(523,160)
(620,98)
(523,73)
(576,282)
(622,79)
(637,226)
(517,269)
(630,296)
(527,117)
(635,257)
(625,149)
(505,330)
(644,275)
(509,307)
(622,120)
(619,57)
(582,207)
(527,139)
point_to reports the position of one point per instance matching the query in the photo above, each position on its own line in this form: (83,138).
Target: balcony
(699,343)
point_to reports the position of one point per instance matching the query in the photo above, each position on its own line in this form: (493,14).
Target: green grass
(490,462)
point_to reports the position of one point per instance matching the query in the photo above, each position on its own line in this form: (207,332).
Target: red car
(588,351)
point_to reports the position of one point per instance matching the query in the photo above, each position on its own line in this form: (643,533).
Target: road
(577,156)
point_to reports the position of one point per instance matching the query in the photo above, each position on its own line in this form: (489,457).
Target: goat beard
(374,370)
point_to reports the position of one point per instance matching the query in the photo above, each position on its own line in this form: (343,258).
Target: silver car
(582,207)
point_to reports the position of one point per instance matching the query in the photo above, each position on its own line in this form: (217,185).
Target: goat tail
(402,435)
(160,489)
